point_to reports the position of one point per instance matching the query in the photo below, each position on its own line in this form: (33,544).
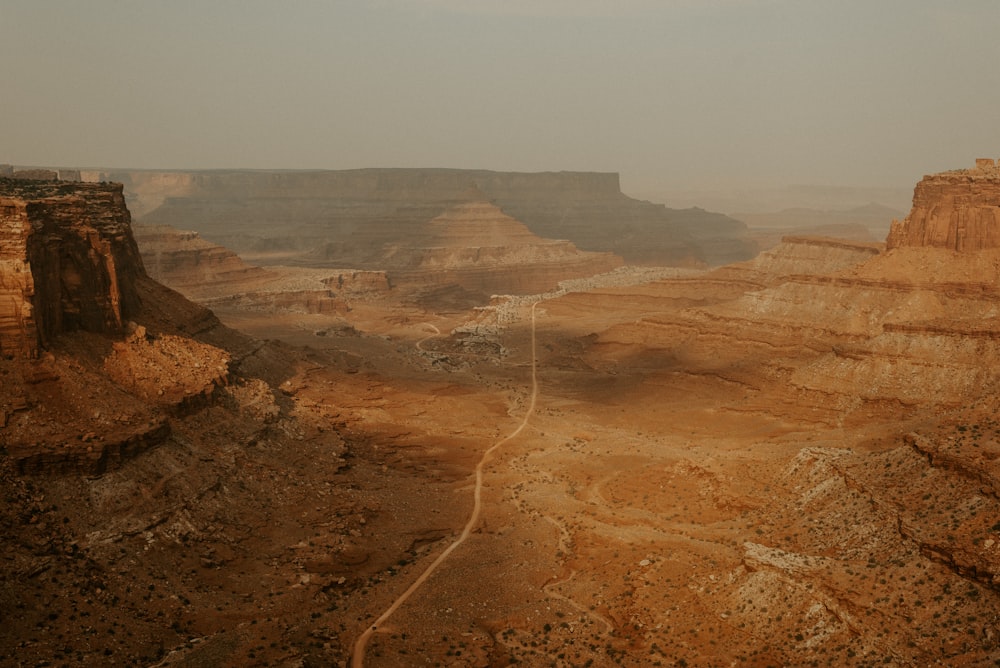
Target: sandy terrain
(647,512)
(671,494)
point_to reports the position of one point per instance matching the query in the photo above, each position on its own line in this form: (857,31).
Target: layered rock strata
(84,385)
(215,276)
(350,215)
(873,375)
(854,329)
(183,260)
(67,261)
(957,210)
(472,247)
(478,247)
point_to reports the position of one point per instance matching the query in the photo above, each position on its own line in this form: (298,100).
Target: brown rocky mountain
(182,259)
(956,210)
(789,460)
(353,214)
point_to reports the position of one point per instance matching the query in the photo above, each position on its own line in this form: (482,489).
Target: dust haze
(466,334)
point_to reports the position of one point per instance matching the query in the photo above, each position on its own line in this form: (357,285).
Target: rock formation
(957,210)
(67,261)
(791,460)
(482,250)
(352,214)
(472,247)
(36,174)
(186,262)
(216,277)
(71,284)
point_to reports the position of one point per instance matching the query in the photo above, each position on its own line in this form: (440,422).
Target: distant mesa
(958,210)
(353,214)
(186,262)
(9,171)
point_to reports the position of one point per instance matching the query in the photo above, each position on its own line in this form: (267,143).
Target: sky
(675,95)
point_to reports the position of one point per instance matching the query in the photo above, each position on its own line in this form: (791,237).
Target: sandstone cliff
(472,247)
(67,261)
(186,262)
(856,327)
(84,385)
(216,277)
(958,210)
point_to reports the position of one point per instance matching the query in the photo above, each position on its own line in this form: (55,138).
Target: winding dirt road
(420,344)
(358,653)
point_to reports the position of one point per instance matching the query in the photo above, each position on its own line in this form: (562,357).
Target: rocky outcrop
(36,174)
(957,210)
(186,262)
(67,261)
(216,277)
(84,385)
(472,246)
(478,247)
(350,215)
(851,330)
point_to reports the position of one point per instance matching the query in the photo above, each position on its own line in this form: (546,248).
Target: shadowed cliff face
(68,262)
(353,214)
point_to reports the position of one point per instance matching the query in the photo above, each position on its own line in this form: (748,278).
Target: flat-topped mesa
(67,262)
(352,214)
(959,210)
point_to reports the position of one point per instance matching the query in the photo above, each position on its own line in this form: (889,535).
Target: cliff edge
(67,262)
(95,356)
(958,210)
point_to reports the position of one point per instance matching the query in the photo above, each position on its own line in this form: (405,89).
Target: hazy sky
(673,94)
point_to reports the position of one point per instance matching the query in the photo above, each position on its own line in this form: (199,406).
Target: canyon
(784,459)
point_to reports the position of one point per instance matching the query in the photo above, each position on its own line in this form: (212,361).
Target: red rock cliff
(959,210)
(67,262)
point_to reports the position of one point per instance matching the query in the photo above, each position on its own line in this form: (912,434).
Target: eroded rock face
(215,276)
(183,260)
(67,262)
(958,210)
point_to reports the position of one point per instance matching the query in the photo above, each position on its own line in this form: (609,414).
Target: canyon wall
(67,261)
(472,247)
(957,210)
(94,354)
(849,328)
(216,277)
(352,214)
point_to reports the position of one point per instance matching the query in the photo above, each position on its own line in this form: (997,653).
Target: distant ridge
(359,211)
